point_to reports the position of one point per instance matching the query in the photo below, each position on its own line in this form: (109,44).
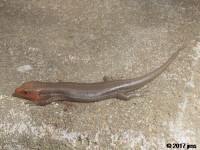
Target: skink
(43,93)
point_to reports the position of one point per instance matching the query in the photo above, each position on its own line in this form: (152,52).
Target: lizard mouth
(18,96)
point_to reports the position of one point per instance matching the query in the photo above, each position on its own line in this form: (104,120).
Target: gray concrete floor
(82,41)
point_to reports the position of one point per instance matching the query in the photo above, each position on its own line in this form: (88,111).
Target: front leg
(47,101)
(107,78)
(111,78)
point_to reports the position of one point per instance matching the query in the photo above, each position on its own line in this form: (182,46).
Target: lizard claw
(30,103)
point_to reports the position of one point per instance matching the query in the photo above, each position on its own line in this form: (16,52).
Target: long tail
(141,81)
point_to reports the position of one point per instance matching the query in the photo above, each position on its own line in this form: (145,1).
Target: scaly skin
(44,93)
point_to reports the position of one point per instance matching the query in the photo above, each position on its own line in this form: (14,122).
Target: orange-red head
(28,91)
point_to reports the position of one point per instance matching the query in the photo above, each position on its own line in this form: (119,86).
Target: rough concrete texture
(82,41)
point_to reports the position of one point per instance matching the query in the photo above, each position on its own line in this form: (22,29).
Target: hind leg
(130,95)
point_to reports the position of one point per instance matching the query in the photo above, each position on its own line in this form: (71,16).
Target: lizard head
(28,91)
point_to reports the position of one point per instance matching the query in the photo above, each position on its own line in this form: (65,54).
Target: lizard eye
(25,92)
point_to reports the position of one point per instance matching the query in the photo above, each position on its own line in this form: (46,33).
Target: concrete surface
(83,41)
